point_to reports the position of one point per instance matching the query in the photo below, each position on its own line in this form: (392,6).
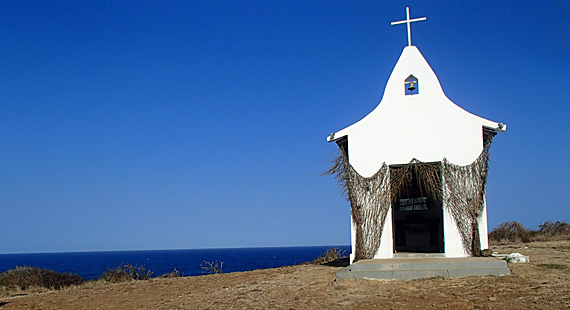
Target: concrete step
(418,268)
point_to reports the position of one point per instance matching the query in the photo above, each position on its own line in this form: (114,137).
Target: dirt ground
(544,283)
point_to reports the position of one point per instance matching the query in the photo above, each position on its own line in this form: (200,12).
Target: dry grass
(544,283)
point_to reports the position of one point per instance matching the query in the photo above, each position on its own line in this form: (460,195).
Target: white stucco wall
(483,228)
(453,245)
(352,240)
(386,249)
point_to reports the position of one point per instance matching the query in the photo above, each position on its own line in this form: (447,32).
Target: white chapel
(415,168)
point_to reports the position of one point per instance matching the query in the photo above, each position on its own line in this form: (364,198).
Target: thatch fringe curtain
(427,175)
(369,202)
(464,193)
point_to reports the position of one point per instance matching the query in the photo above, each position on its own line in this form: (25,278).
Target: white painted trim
(352,239)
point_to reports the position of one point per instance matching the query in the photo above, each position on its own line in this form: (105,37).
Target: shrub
(127,272)
(515,231)
(116,275)
(174,274)
(27,277)
(512,231)
(212,267)
(331,254)
(550,229)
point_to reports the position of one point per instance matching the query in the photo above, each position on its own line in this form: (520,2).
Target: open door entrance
(417,219)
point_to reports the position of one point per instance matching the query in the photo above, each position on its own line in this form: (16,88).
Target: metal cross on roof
(408,21)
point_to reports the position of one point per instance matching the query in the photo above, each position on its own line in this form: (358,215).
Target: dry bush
(116,275)
(127,272)
(212,267)
(174,274)
(554,229)
(331,254)
(23,278)
(510,231)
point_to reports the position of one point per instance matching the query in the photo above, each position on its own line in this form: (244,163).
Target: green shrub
(27,277)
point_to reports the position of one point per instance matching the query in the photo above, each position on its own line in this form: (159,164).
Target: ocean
(91,265)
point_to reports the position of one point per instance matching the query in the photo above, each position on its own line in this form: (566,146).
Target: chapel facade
(415,169)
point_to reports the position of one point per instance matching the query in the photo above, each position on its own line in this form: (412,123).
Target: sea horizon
(92,264)
(174,249)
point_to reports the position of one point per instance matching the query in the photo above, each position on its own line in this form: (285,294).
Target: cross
(408,21)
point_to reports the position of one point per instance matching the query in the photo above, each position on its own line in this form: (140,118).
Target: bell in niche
(411,85)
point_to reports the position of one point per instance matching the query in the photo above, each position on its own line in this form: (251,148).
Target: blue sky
(199,124)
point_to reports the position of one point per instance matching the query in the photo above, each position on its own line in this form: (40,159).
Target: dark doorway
(418,219)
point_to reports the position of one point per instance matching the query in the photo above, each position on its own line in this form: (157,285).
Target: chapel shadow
(339,262)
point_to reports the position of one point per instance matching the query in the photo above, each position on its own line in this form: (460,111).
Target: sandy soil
(542,284)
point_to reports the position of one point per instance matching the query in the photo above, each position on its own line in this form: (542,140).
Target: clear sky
(198,124)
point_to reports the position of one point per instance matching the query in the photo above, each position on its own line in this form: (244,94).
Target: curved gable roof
(426,126)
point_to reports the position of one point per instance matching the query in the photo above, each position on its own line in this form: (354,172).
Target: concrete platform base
(410,268)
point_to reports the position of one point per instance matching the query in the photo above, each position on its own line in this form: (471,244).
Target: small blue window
(411,85)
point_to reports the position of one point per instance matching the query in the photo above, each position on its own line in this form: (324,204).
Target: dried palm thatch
(427,176)
(369,199)
(462,189)
(340,169)
(464,195)
(370,202)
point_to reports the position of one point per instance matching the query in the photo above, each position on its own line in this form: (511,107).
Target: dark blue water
(91,265)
